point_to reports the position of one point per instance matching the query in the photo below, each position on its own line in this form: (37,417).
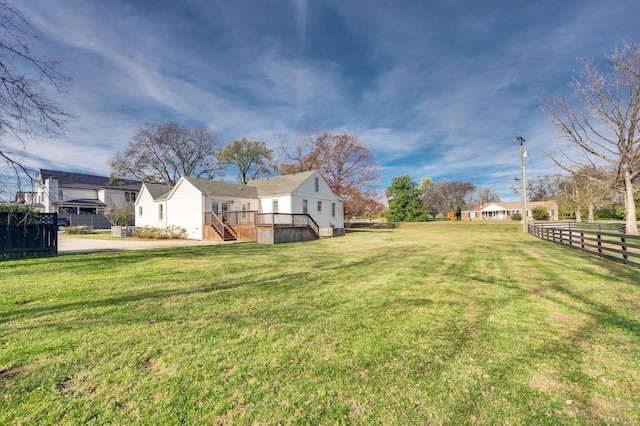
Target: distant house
(293,207)
(503,210)
(79,197)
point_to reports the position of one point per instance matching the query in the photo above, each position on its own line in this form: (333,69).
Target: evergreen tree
(405,204)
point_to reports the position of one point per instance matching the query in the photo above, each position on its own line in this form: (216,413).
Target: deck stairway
(227,233)
(221,229)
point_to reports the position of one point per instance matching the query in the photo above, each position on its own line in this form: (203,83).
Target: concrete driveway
(68,244)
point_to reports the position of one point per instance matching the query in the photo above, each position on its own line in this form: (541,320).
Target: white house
(291,207)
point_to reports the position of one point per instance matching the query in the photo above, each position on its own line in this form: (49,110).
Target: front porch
(494,215)
(268,228)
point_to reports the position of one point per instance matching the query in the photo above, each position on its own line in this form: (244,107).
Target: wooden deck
(268,228)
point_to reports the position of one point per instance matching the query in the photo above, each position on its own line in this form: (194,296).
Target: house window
(319,206)
(130,196)
(225,207)
(304,207)
(550,213)
(60,194)
(317,184)
(275,206)
(473,215)
(215,207)
(140,211)
(160,212)
(333,209)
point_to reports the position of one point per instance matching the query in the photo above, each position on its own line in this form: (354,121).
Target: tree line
(410,201)
(583,196)
(162,153)
(586,196)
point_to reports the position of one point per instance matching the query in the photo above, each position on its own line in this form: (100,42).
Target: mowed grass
(435,323)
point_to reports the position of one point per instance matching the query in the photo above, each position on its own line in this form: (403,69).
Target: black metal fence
(605,240)
(28,235)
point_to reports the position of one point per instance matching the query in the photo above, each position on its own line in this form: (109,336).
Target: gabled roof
(492,208)
(280,185)
(210,187)
(507,205)
(157,190)
(79,180)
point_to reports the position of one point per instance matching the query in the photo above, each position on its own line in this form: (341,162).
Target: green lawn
(456,323)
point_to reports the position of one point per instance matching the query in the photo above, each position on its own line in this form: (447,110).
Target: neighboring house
(78,197)
(293,207)
(503,210)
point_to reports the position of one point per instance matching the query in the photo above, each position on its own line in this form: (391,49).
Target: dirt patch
(7,375)
(67,384)
(147,365)
(11,372)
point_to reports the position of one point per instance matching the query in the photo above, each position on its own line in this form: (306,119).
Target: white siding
(48,194)
(284,205)
(185,208)
(234,204)
(75,193)
(307,191)
(149,216)
(116,197)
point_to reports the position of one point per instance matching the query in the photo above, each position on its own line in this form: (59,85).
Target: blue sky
(436,88)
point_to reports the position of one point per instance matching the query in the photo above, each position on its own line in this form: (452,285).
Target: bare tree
(25,108)
(164,153)
(446,196)
(484,194)
(541,188)
(301,156)
(120,213)
(252,158)
(603,122)
(585,187)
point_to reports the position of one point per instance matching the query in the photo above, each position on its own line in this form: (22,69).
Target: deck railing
(259,219)
(240,217)
(603,241)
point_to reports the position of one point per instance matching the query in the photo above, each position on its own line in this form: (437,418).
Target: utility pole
(523,154)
